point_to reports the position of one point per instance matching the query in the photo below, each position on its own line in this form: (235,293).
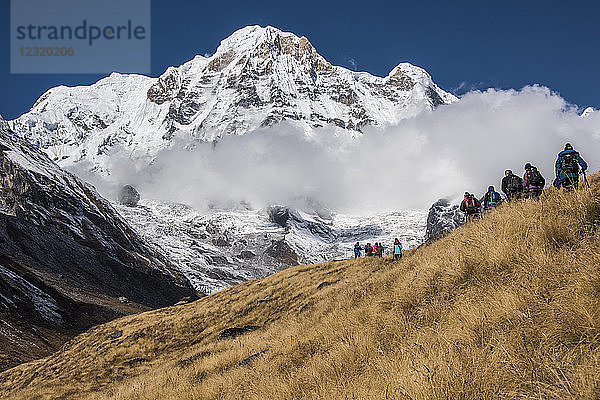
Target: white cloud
(461,147)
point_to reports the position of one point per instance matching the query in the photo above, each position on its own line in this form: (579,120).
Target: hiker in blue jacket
(357,250)
(568,166)
(397,249)
(491,199)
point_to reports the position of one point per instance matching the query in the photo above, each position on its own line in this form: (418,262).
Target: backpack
(493,198)
(514,184)
(534,178)
(470,202)
(569,163)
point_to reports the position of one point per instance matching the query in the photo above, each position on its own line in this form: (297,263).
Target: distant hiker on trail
(380,250)
(567,167)
(512,185)
(491,199)
(470,206)
(376,249)
(533,182)
(357,250)
(397,249)
(368,250)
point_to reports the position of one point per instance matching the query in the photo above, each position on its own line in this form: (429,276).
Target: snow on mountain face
(587,112)
(257,77)
(226,247)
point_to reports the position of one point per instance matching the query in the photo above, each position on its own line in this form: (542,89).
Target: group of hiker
(376,250)
(568,167)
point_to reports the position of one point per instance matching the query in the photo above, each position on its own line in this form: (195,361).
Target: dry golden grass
(506,307)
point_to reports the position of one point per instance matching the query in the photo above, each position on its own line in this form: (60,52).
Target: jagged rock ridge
(442,218)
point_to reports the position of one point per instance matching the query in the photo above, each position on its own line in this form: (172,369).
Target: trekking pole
(585,181)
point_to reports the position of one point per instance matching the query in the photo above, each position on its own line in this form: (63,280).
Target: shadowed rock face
(279,215)
(288,217)
(434,97)
(166,88)
(66,257)
(443,217)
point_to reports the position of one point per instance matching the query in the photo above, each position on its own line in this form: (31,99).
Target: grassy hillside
(506,307)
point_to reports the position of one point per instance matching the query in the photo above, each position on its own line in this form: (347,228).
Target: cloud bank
(461,147)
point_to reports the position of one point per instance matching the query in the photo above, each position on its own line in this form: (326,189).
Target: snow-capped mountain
(257,77)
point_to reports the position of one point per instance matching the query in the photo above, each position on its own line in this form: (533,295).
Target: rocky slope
(67,259)
(257,77)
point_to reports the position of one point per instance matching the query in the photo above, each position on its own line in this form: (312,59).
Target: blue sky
(464,45)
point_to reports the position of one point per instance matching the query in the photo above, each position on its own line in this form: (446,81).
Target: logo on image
(74,36)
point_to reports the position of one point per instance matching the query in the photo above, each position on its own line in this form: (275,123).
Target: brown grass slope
(506,307)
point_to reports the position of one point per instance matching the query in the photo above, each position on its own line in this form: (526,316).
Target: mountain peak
(258,43)
(258,76)
(253,34)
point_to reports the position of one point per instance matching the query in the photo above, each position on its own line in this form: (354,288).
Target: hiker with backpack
(491,199)
(512,185)
(533,182)
(470,206)
(368,250)
(568,166)
(378,250)
(397,249)
(357,250)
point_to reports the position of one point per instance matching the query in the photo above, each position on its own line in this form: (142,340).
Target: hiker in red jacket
(470,206)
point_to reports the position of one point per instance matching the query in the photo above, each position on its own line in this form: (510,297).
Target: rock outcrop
(129,196)
(281,251)
(279,215)
(443,217)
